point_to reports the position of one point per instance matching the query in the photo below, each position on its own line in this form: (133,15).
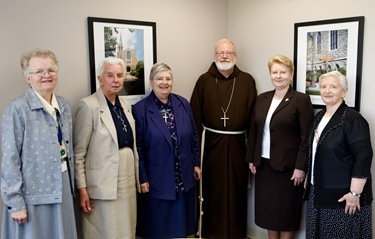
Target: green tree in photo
(110,42)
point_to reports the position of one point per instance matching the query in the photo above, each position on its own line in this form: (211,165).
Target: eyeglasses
(40,72)
(160,79)
(228,53)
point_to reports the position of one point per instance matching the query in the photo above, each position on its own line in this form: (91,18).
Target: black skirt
(278,203)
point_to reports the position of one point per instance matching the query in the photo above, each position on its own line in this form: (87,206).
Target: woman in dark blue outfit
(339,163)
(168,148)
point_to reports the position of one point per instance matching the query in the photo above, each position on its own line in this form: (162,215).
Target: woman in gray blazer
(37,156)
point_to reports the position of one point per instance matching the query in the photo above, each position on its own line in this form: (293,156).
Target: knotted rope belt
(199,233)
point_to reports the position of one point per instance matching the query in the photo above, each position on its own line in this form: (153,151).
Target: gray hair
(160,67)
(109,61)
(26,57)
(342,79)
(224,40)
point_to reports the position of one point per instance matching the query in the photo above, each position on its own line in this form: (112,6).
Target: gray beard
(225,66)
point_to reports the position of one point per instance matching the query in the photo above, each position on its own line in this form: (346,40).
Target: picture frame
(327,45)
(132,41)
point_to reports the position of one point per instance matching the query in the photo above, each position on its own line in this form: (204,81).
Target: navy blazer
(155,148)
(289,128)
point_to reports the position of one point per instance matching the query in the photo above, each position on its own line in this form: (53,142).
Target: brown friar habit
(225,173)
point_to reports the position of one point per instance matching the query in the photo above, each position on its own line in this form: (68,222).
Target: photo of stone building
(326,51)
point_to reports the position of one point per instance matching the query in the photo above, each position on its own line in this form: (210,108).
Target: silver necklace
(119,116)
(225,118)
(316,136)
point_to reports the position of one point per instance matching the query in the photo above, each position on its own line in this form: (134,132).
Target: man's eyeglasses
(40,73)
(228,53)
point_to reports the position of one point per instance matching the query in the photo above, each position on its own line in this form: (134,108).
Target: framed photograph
(132,41)
(329,45)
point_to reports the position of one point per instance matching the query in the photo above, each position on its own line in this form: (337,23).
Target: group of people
(134,168)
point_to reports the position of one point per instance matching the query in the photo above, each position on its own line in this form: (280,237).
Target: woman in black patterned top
(339,163)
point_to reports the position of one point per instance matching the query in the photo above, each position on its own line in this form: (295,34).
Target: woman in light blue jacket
(37,156)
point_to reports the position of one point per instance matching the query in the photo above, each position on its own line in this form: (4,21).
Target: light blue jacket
(31,163)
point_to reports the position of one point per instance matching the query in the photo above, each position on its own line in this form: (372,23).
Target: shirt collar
(162,105)
(117,102)
(50,108)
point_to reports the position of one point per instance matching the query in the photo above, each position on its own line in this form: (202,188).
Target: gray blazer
(31,163)
(96,147)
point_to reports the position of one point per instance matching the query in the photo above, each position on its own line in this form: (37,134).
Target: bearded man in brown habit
(222,102)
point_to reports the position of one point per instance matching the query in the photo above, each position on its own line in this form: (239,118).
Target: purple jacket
(155,149)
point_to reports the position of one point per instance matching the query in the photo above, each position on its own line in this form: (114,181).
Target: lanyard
(62,150)
(59,132)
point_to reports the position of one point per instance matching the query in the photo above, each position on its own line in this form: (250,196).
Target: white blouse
(266,143)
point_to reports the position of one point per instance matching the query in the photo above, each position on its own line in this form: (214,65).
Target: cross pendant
(225,118)
(165,117)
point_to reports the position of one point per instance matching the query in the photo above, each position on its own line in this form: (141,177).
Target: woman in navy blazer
(168,148)
(277,151)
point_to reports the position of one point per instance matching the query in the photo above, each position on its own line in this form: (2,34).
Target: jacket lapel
(127,110)
(157,120)
(266,105)
(178,110)
(335,121)
(285,101)
(33,100)
(105,115)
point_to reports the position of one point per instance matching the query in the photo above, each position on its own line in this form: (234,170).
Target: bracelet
(354,194)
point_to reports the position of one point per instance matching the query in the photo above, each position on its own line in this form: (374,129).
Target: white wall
(261,29)
(186,33)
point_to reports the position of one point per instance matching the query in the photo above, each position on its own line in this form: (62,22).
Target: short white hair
(342,79)
(109,61)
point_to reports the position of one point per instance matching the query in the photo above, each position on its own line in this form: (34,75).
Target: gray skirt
(45,221)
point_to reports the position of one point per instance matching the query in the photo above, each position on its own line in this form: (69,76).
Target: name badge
(64,166)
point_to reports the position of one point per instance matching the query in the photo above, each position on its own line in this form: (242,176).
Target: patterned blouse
(166,111)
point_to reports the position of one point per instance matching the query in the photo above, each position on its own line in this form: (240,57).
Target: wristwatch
(355,194)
